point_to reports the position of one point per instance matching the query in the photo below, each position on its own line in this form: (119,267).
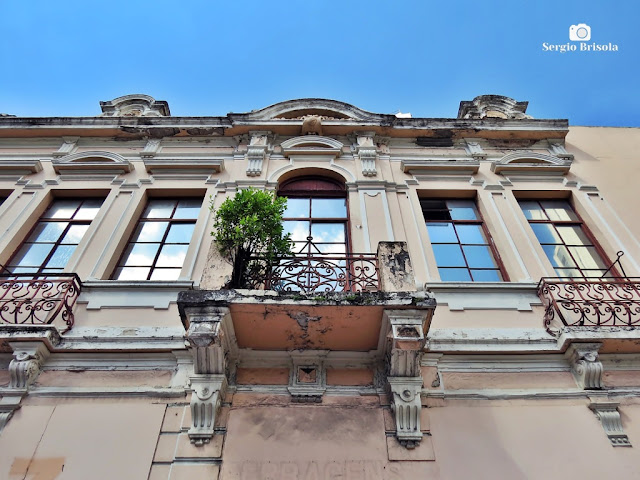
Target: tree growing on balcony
(248,232)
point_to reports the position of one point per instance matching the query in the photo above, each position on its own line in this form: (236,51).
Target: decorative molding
(557,149)
(308,376)
(151,148)
(485,295)
(474,149)
(209,348)
(608,414)
(585,366)
(311,145)
(28,358)
(406,341)
(257,150)
(69,145)
(202,166)
(17,166)
(135,105)
(439,166)
(493,106)
(533,163)
(367,152)
(94,162)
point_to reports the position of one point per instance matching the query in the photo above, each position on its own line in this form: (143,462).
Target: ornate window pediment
(531,162)
(300,108)
(312,145)
(92,162)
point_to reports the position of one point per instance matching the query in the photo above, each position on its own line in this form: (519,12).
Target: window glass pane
(61,256)
(165,274)
(532,210)
(297,208)
(149,232)
(448,256)
(441,232)
(141,254)
(75,234)
(558,210)
(23,270)
(299,230)
(479,256)
(486,275)
(454,274)
(462,209)
(47,232)
(188,208)
(471,234)
(573,235)
(545,233)
(172,256)
(159,209)
(435,210)
(131,273)
(62,209)
(334,248)
(558,256)
(32,254)
(587,257)
(180,233)
(89,209)
(327,232)
(568,273)
(329,207)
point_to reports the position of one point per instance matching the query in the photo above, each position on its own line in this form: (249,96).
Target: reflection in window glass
(564,238)
(158,246)
(55,237)
(460,244)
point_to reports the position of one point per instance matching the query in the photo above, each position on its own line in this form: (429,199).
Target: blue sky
(211,57)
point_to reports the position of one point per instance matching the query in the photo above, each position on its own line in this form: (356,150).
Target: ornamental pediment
(92,162)
(531,162)
(301,108)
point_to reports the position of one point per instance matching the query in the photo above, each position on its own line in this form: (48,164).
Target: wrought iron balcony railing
(606,302)
(38,300)
(316,272)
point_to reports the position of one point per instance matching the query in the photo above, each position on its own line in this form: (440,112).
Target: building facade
(462,300)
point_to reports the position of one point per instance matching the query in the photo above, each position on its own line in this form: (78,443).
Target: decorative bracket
(151,148)
(609,416)
(585,366)
(28,358)
(367,153)
(207,343)
(405,346)
(475,150)
(68,146)
(257,150)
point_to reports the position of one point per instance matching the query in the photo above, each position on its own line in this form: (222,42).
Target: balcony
(606,303)
(38,300)
(317,273)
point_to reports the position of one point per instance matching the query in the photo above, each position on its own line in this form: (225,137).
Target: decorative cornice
(531,162)
(94,162)
(135,105)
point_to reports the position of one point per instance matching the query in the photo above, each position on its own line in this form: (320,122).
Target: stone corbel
(151,148)
(257,150)
(367,153)
(68,146)
(557,149)
(475,150)
(28,358)
(206,340)
(609,416)
(585,366)
(406,343)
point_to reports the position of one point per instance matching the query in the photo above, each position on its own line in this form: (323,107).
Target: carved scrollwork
(585,366)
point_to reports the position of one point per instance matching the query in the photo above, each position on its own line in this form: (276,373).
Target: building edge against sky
(459,305)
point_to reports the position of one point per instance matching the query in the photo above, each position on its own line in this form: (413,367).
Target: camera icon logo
(580,32)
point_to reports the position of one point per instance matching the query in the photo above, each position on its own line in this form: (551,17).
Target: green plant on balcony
(248,232)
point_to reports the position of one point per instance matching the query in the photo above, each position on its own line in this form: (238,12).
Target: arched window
(317,211)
